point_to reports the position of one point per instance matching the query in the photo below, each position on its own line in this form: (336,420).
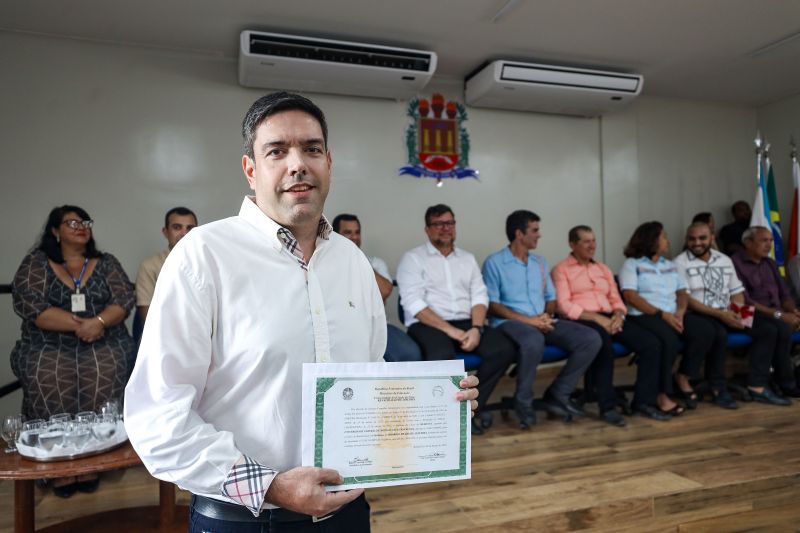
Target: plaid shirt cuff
(247,483)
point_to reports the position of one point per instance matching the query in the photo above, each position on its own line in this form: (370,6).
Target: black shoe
(689,397)
(559,408)
(651,412)
(725,400)
(769,397)
(88,486)
(613,417)
(65,491)
(794,392)
(485,418)
(476,426)
(525,414)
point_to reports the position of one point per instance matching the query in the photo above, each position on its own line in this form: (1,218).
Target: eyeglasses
(443,224)
(77,224)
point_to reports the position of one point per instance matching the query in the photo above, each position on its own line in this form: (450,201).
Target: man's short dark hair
(574,233)
(436,211)
(344,217)
(519,220)
(275,103)
(644,241)
(180,211)
(705,216)
(737,204)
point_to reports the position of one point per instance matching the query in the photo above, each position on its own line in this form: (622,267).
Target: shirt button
(316,311)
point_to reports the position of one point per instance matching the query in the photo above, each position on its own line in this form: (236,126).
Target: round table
(165,517)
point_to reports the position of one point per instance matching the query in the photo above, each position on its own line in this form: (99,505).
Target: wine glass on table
(12,425)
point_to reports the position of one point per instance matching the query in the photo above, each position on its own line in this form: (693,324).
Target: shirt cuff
(413,308)
(247,483)
(574,312)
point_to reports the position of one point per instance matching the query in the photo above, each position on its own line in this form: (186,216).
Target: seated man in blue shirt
(522,302)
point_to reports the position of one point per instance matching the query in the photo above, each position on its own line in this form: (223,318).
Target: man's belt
(218,510)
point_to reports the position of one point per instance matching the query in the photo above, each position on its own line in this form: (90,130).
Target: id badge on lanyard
(78,302)
(78,299)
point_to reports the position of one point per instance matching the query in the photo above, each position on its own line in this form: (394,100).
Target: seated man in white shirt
(177,222)
(445,301)
(713,285)
(399,346)
(214,401)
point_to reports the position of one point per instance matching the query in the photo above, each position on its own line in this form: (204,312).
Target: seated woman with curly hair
(74,352)
(655,293)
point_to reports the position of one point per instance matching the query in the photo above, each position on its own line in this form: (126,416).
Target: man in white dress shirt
(399,346)
(444,301)
(213,404)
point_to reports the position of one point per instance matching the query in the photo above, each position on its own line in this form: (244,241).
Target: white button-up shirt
(450,285)
(711,282)
(232,321)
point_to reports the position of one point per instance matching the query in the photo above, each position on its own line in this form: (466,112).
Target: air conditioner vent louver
(359,55)
(279,61)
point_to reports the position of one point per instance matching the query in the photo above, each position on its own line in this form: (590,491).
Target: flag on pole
(774,218)
(794,226)
(761,214)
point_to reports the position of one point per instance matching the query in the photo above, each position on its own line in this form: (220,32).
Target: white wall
(127,133)
(778,122)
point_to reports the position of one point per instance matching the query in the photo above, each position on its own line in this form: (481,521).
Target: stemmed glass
(12,425)
(111,407)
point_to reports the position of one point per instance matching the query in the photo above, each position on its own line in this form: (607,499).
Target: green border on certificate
(324,385)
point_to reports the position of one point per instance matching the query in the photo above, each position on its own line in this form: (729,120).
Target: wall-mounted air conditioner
(278,61)
(550,88)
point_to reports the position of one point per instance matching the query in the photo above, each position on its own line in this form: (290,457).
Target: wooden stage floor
(708,470)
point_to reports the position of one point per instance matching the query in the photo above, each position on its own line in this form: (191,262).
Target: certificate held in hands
(382,424)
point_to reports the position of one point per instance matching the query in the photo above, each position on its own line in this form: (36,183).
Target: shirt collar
(431,249)
(253,214)
(572,260)
(509,257)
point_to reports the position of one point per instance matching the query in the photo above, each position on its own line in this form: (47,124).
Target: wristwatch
(777,314)
(479,328)
(658,314)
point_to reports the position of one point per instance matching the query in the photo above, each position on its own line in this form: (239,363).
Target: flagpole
(794,221)
(760,212)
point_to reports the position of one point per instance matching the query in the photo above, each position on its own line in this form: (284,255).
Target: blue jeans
(580,342)
(400,347)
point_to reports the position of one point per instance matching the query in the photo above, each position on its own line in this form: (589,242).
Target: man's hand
(617,322)
(472,337)
(606,323)
(673,321)
(730,319)
(88,329)
(469,392)
(302,490)
(458,335)
(543,322)
(791,318)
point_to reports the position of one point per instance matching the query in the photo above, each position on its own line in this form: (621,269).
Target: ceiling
(696,49)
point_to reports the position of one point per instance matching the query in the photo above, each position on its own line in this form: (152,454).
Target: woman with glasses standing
(75,352)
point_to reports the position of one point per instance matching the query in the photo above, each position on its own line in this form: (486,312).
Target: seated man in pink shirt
(586,292)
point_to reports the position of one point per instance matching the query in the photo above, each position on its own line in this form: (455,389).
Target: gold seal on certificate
(382,424)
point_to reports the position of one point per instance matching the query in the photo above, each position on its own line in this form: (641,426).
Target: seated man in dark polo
(730,236)
(775,308)
(445,306)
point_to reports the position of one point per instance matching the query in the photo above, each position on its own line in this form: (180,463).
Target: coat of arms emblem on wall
(437,142)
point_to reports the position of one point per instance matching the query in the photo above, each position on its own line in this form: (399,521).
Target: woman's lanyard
(78,299)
